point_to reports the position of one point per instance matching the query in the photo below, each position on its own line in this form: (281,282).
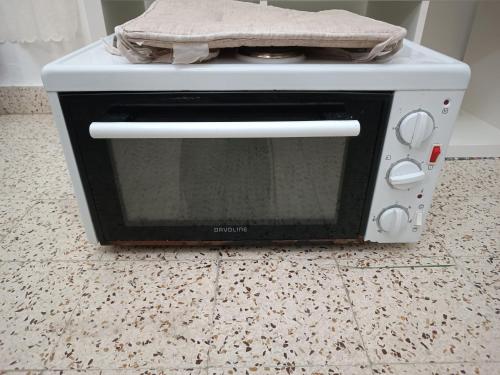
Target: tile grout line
(435,363)
(370,363)
(361,364)
(469,280)
(395,267)
(214,308)
(466,276)
(245,367)
(60,198)
(94,261)
(59,337)
(445,248)
(100,259)
(14,221)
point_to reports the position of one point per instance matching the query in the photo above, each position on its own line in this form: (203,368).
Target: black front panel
(227,189)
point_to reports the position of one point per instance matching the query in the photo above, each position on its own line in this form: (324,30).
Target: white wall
(118,12)
(483,55)
(448,26)
(403,13)
(358,7)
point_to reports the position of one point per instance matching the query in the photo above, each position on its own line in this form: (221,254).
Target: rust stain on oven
(240,243)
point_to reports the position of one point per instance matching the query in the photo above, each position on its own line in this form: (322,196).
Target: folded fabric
(189,31)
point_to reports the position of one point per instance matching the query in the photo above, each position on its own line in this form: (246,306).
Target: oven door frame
(80,110)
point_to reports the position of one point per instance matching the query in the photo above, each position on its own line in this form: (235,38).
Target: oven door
(227,166)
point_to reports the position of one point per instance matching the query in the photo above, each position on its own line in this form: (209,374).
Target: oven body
(229,152)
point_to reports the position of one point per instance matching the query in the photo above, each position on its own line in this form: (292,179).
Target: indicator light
(446,101)
(436,151)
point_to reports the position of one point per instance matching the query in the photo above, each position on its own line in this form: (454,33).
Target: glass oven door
(227,166)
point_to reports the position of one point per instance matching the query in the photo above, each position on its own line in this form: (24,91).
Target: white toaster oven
(232,151)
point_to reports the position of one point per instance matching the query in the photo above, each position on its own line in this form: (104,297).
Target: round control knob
(393,219)
(405,174)
(415,128)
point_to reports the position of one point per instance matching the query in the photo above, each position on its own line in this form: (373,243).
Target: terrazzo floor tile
(25,372)
(50,231)
(128,372)
(22,156)
(32,164)
(283,313)
(119,253)
(303,252)
(428,251)
(47,184)
(333,370)
(470,177)
(485,275)
(141,315)
(422,315)
(11,210)
(438,369)
(36,301)
(39,127)
(23,99)
(467,226)
(29,170)
(197,254)
(357,260)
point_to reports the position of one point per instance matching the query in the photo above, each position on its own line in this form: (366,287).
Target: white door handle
(219,129)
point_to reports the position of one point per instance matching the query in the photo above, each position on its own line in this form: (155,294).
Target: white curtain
(30,21)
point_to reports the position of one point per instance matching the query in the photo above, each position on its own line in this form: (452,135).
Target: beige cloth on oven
(188,31)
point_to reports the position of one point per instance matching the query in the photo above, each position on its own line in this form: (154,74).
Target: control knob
(405,174)
(415,128)
(393,219)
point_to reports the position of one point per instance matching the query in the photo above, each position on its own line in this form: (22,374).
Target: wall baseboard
(23,100)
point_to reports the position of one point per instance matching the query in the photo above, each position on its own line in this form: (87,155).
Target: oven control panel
(418,133)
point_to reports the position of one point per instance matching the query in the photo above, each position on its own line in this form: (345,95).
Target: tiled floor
(67,307)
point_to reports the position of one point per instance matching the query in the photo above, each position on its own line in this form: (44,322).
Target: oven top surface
(92,68)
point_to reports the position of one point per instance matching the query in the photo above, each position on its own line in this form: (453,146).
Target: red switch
(436,151)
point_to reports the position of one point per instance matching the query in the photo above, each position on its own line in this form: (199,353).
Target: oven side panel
(416,200)
(76,180)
